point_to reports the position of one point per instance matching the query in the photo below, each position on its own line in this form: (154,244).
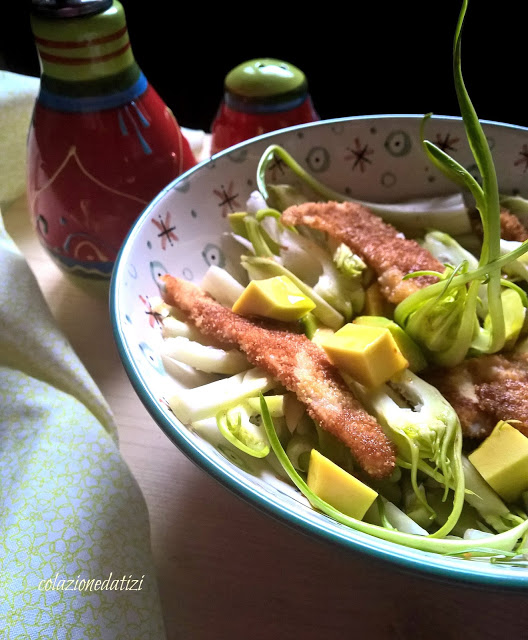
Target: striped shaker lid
(83,48)
(68,8)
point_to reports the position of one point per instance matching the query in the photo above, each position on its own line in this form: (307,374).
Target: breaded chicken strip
(378,243)
(297,363)
(511,227)
(481,390)
(485,390)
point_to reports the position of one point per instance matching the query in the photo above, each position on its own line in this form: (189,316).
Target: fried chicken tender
(482,390)
(378,243)
(486,389)
(511,227)
(297,363)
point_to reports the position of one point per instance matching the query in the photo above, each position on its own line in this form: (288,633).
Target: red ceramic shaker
(260,96)
(101,143)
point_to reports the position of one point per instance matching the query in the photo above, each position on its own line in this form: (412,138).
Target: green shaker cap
(264,80)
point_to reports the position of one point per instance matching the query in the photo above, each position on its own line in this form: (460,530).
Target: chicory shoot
(497,545)
(333,281)
(453,311)
(236,426)
(426,431)
(259,268)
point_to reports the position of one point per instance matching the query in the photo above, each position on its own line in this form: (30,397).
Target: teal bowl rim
(396,556)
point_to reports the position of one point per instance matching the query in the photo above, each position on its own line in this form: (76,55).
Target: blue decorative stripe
(93,103)
(88,268)
(246,106)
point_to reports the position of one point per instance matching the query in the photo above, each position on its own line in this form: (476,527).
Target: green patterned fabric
(17,99)
(75,559)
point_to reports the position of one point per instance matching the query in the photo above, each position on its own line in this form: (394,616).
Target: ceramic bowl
(372,158)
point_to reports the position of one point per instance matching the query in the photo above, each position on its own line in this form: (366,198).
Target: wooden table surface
(226,570)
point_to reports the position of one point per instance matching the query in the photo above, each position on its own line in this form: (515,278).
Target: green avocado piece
(502,460)
(410,350)
(277,298)
(337,487)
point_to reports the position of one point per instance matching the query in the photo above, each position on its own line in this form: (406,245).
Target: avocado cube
(409,348)
(502,460)
(368,354)
(338,488)
(277,298)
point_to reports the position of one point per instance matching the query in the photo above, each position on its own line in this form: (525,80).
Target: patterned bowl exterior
(373,158)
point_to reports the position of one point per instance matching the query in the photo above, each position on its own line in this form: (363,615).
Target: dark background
(362,58)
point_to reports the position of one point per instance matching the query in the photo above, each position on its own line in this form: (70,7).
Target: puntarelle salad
(383,373)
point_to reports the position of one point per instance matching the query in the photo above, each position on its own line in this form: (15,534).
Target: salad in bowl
(355,365)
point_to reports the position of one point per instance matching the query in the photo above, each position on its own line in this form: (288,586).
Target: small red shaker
(261,95)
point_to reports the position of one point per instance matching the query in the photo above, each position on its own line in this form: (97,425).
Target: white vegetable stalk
(222,286)
(187,376)
(447,250)
(276,405)
(208,400)
(400,520)
(173,327)
(298,451)
(518,268)
(485,500)
(204,357)
(448,213)
(256,202)
(476,534)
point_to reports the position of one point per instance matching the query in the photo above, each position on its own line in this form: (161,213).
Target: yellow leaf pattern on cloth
(70,510)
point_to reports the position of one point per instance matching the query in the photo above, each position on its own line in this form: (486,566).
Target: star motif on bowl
(359,155)
(523,159)
(446,143)
(228,200)
(155,318)
(166,231)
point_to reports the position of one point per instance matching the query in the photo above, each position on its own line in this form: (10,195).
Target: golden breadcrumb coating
(512,228)
(298,364)
(482,390)
(486,389)
(378,243)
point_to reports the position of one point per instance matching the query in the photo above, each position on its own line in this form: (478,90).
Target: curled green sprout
(448,213)
(275,151)
(454,311)
(236,427)
(498,545)
(453,314)
(427,433)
